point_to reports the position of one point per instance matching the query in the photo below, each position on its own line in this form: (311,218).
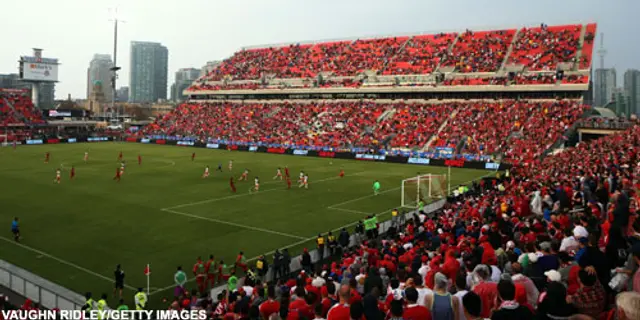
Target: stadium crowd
(542,48)
(538,49)
(556,238)
(347,124)
(480,51)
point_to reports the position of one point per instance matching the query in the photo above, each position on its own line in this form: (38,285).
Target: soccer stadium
(448,175)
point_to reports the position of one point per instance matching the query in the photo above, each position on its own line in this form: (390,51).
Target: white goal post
(3,140)
(426,187)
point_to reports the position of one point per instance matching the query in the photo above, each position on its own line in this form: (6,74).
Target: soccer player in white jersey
(206,172)
(304,183)
(278,174)
(256,184)
(57,180)
(86,156)
(244,176)
(230,165)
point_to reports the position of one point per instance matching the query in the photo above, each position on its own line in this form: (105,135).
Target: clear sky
(196,31)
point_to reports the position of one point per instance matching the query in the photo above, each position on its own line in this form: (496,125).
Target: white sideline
(71,264)
(333,206)
(232,224)
(248,194)
(272,251)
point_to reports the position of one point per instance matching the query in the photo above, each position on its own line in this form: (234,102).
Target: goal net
(4,140)
(424,188)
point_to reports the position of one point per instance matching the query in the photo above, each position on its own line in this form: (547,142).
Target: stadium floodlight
(116,17)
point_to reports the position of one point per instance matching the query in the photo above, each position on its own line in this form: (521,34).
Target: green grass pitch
(164,213)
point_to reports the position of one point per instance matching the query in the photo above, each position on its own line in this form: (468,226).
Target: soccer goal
(3,140)
(425,187)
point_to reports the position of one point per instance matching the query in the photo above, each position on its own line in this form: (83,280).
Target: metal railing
(38,289)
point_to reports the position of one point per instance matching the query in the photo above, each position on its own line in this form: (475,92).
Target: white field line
(70,264)
(249,194)
(280,248)
(350,211)
(314,237)
(243,226)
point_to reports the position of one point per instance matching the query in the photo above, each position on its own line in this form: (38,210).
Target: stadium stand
(480,51)
(485,126)
(540,48)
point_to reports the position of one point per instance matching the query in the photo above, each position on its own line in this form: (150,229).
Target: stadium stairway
(435,135)
(583,32)
(386,114)
(386,63)
(17,115)
(439,67)
(506,56)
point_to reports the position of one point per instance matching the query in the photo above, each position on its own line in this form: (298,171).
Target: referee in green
(376,188)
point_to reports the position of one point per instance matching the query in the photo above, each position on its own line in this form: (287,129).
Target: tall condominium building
(184,78)
(100,70)
(632,89)
(149,67)
(603,85)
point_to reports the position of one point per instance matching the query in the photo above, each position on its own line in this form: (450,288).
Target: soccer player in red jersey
(210,269)
(193,156)
(117,177)
(341,173)
(288,183)
(73,173)
(199,273)
(120,156)
(46,157)
(232,185)
(139,160)
(286,171)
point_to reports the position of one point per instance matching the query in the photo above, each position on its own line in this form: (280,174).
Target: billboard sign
(38,71)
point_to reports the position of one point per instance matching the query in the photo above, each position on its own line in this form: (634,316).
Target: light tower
(115,68)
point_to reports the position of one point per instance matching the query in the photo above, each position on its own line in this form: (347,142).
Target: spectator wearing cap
(488,291)
(548,260)
(413,310)
(554,303)
(509,308)
(441,303)
(590,299)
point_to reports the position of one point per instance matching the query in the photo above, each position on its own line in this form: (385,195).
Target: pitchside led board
(37,68)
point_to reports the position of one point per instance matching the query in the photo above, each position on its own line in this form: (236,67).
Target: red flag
(147,271)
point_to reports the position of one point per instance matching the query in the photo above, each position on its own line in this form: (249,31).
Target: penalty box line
(337,205)
(60,260)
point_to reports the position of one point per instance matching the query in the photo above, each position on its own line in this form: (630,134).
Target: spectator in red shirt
(270,306)
(340,311)
(413,311)
(488,291)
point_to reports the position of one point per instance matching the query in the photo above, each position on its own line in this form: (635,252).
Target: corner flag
(147,272)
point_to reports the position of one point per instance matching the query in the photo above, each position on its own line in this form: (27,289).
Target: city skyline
(202,38)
